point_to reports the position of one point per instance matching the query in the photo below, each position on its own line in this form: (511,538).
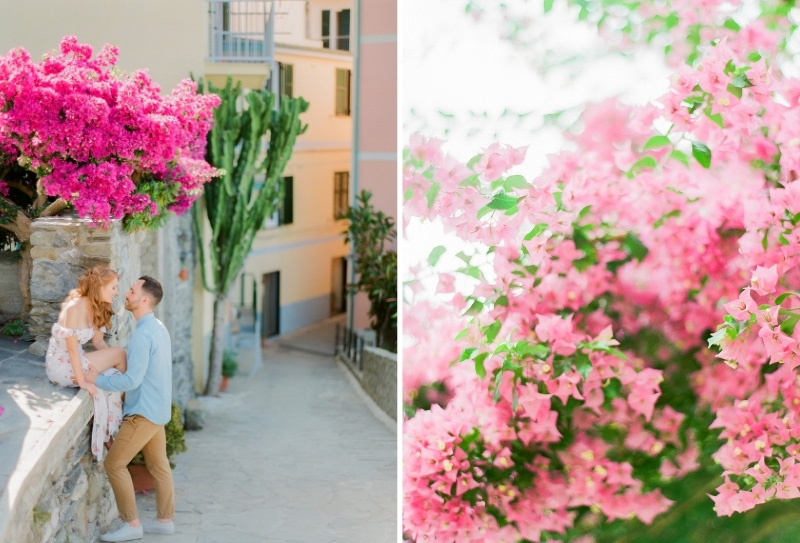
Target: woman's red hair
(89,285)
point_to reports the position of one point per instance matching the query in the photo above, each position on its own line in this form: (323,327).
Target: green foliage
(40,518)
(229,363)
(13,328)
(376,265)
(234,207)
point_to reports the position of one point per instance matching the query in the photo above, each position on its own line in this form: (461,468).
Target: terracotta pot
(142,480)
(223,386)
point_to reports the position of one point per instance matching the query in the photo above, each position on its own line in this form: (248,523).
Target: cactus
(234,208)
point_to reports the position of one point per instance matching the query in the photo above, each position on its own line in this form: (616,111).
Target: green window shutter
(286,213)
(343,23)
(287,80)
(342,92)
(326,28)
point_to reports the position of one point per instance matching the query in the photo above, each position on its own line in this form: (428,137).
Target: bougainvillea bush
(73,127)
(616,358)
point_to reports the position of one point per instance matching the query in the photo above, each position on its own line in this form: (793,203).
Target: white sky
(454,64)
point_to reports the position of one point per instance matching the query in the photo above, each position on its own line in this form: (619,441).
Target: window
(285,213)
(342,92)
(285,84)
(326,29)
(341,194)
(338,36)
(343,30)
(286,79)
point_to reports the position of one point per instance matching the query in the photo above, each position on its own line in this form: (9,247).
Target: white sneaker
(126,532)
(155,527)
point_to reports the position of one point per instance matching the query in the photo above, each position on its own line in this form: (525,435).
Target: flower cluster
(91,134)
(579,383)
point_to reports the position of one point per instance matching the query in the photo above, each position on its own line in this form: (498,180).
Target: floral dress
(107,404)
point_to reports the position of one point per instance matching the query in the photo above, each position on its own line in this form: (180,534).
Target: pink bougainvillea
(108,143)
(630,314)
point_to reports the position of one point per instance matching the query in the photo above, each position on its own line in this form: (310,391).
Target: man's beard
(128,306)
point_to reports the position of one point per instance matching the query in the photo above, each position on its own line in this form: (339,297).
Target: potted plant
(142,479)
(229,367)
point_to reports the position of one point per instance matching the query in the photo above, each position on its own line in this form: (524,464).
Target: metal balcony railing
(241,31)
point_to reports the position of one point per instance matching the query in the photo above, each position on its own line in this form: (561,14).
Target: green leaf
(716,118)
(503,201)
(734,90)
(474,160)
(583,364)
(479,367)
(557,196)
(436,254)
(492,330)
(548,5)
(515,182)
(717,337)
(407,195)
(780,299)
(475,308)
(701,153)
(741,81)
(645,162)
(432,193)
(634,246)
(679,156)
(657,141)
(537,231)
(730,24)
(467,353)
(787,326)
(502,301)
(462,334)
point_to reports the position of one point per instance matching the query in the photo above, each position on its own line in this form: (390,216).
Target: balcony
(240,31)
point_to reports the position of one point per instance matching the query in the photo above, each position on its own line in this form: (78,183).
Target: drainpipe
(355,149)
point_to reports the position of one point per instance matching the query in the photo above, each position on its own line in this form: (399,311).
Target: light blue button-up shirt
(148,381)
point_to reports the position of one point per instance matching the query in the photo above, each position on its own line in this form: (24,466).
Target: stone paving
(293,452)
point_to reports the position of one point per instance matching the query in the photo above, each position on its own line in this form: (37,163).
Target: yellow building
(297,271)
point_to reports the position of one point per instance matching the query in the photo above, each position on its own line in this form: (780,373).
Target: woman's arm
(73,319)
(99,340)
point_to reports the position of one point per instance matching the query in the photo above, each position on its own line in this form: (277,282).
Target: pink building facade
(375,116)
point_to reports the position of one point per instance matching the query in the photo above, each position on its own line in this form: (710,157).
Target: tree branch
(54,208)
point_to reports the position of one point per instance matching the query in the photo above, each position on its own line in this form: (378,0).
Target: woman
(86,314)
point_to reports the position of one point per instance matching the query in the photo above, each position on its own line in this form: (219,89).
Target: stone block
(39,347)
(42,238)
(195,415)
(44,253)
(52,281)
(87,261)
(98,250)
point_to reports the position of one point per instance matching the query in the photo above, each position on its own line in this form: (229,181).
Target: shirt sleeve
(138,352)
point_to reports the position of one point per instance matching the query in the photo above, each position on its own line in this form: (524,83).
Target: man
(148,407)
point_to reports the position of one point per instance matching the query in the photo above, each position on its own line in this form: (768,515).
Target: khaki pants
(139,434)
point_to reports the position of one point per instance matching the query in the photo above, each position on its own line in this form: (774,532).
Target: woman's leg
(111,357)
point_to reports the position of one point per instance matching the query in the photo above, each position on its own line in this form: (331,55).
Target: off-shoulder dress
(107,404)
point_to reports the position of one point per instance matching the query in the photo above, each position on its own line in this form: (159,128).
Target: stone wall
(168,255)
(64,247)
(10,299)
(58,492)
(379,379)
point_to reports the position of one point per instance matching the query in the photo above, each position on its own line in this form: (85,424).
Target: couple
(143,372)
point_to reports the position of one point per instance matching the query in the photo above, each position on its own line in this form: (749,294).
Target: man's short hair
(153,289)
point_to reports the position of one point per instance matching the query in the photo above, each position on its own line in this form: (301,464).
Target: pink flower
(764,280)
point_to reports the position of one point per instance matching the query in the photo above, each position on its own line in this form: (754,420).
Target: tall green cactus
(235,209)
